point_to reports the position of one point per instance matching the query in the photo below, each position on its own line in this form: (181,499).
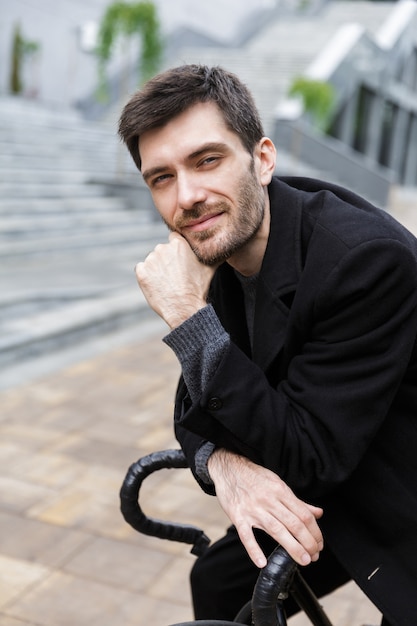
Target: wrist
(218,462)
(179,315)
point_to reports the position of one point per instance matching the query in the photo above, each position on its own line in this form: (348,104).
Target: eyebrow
(207,147)
(217,146)
(154,171)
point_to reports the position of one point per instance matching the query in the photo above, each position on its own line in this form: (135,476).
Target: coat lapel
(279,274)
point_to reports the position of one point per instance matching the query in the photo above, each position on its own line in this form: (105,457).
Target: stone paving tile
(68,601)
(11,621)
(18,495)
(119,564)
(38,542)
(16,576)
(101,453)
(45,468)
(173,581)
(79,508)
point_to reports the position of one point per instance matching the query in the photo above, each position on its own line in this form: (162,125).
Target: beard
(216,245)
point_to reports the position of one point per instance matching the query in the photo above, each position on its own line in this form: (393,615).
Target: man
(292,308)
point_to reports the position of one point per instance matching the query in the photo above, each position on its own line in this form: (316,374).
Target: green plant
(21,48)
(126,19)
(318,99)
(16,61)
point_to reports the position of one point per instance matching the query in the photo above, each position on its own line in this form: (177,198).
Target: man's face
(204,183)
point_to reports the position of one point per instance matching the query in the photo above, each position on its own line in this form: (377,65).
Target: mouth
(202,223)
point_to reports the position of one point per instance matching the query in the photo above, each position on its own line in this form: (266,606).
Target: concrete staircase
(74,220)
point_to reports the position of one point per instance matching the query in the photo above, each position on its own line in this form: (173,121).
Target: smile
(202,223)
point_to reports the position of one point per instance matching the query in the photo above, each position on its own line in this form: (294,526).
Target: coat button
(214,404)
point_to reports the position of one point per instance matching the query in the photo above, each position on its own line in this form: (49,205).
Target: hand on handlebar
(254,497)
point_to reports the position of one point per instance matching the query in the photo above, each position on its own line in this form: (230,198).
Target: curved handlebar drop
(133,514)
(275,581)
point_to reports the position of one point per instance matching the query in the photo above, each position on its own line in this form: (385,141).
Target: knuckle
(296,527)
(139,269)
(148,260)
(241,523)
(306,517)
(276,528)
(246,535)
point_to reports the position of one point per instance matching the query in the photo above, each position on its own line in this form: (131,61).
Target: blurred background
(335,82)
(63,70)
(86,385)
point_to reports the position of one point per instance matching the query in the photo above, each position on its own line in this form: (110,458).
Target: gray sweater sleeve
(199,344)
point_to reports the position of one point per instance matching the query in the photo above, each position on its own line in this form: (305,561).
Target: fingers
(139,267)
(254,497)
(293,544)
(316,510)
(298,534)
(173,281)
(252,547)
(317,513)
(291,523)
(301,522)
(289,520)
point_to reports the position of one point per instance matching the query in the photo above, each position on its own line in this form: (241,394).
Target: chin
(212,257)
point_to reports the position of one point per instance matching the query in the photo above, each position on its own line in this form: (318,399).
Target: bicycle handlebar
(272,588)
(275,580)
(133,514)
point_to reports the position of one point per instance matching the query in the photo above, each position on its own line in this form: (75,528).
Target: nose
(189,191)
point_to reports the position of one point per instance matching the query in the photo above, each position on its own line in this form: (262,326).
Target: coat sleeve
(314,426)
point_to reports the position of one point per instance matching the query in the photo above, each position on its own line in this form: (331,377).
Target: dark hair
(172,92)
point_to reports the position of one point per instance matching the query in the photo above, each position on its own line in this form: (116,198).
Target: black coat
(327,399)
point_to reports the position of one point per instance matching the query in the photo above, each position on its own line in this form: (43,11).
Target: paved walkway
(67,558)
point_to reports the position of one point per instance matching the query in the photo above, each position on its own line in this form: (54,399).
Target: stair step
(50,225)
(45,176)
(124,236)
(47,331)
(62,206)
(54,190)
(69,235)
(64,150)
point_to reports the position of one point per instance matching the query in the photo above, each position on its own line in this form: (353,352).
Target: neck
(248,260)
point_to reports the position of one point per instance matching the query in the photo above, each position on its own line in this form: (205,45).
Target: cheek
(164,206)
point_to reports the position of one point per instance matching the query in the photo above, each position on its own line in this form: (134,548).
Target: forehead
(202,123)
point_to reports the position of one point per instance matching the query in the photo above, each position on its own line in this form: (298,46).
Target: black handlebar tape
(133,514)
(272,588)
(279,578)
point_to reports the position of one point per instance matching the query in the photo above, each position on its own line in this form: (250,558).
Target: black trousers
(222,580)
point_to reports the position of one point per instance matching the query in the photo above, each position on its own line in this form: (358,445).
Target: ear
(267,160)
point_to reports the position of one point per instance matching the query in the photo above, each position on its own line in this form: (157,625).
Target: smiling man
(292,308)
(207,191)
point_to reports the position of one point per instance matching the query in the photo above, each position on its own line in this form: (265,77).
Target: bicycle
(276,581)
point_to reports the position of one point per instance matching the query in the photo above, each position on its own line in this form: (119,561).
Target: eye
(159,180)
(209,160)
